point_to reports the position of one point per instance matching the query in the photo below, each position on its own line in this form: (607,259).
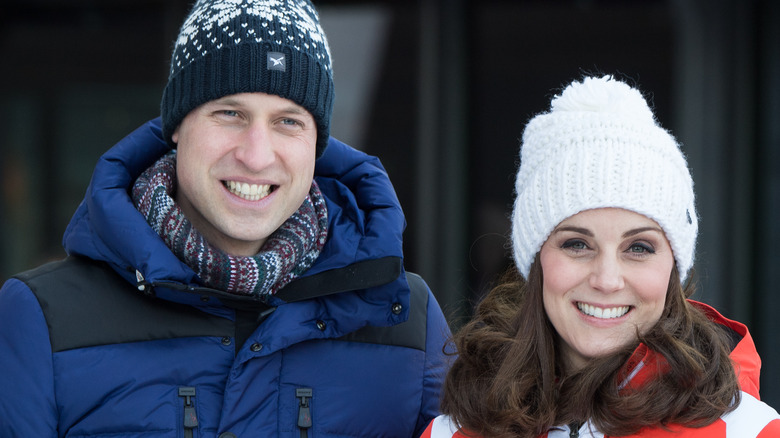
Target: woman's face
(606,272)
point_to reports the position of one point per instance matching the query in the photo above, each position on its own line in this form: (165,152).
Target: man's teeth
(250,192)
(598,312)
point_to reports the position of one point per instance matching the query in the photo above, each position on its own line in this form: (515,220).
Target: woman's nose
(607,275)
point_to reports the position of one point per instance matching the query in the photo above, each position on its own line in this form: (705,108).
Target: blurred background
(440,90)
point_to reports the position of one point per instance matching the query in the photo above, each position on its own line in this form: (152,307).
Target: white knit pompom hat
(600,146)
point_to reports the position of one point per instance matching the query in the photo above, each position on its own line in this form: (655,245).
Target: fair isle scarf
(288,252)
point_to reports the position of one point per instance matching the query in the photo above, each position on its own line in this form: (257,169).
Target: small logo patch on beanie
(276,61)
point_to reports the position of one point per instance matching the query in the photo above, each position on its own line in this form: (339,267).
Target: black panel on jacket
(359,275)
(410,333)
(86,304)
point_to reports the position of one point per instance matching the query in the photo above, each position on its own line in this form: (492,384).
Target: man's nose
(255,149)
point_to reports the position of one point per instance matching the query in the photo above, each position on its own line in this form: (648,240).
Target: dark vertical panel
(767,176)
(392,123)
(440,158)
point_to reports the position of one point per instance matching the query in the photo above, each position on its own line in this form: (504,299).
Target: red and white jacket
(751,419)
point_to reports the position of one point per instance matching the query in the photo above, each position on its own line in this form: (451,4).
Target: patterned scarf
(288,252)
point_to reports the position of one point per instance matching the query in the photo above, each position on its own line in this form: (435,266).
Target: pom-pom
(604,95)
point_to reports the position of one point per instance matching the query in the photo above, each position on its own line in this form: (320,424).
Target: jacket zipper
(574,430)
(190,417)
(304,410)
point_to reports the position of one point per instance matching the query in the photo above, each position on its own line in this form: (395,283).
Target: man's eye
(229,113)
(291,122)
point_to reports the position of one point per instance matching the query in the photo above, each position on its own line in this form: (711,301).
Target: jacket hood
(365,218)
(106,225)
(644,363)
(744,356)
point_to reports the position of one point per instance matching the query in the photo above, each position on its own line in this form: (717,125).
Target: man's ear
(175,135)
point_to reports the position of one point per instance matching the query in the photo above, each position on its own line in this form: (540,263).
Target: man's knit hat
(600,146)
(236,46)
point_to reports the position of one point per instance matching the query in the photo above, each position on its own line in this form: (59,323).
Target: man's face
(245,164)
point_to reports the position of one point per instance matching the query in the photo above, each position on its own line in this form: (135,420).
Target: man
(232,270)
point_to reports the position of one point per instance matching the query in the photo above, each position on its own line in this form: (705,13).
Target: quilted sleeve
(436,363)
(27,404)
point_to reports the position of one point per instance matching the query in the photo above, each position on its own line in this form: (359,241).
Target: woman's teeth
(250,192)
(598,312)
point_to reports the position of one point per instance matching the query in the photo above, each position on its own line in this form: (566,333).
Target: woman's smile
(603,312)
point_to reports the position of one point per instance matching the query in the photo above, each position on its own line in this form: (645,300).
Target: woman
(595,336)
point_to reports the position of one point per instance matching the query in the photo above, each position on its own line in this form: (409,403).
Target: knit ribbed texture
(600,146)
(287,253)
(227,47)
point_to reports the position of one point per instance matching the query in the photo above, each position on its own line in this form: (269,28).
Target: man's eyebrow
(228,100)
(232,101)
(294,109)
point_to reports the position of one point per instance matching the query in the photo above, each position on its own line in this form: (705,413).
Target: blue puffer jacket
(121,340)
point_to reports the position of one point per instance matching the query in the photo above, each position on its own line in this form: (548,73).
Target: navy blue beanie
(272,46)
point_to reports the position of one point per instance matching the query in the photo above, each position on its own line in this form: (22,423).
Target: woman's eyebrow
(584,231)
(589,233)
(636,231)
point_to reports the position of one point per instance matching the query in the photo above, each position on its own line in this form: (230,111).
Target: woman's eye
(641,248)
(576,245)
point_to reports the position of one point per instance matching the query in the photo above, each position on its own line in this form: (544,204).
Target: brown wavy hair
(508,379)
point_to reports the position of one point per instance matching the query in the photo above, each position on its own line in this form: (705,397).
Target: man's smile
(250,192)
